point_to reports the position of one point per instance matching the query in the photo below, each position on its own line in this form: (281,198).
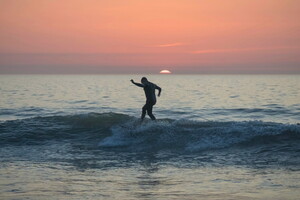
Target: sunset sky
(146,36)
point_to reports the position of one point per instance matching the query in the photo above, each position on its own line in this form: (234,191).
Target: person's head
(144,80)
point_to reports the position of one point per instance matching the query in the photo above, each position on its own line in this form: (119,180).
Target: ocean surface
(216,137)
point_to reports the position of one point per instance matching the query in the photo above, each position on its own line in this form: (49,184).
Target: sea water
(216,137)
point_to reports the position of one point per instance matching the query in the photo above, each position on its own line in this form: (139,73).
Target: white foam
(190,135)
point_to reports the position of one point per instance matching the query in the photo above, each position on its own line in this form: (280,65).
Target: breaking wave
(114,130)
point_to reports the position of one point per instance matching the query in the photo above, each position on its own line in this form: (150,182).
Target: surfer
(149,89)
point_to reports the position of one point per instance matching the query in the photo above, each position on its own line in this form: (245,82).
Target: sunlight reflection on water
(214,97)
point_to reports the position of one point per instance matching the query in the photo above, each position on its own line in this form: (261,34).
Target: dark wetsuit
(149,89)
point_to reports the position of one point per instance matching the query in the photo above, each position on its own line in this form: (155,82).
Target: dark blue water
(92,136)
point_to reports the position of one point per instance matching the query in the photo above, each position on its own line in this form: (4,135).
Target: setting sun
(165,71)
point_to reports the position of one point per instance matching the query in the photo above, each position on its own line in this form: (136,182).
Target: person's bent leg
(144,111)
(149,111)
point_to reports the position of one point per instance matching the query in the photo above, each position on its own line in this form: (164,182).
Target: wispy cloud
(207,51)
(170,45)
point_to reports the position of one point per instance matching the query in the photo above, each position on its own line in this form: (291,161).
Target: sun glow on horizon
(165,71)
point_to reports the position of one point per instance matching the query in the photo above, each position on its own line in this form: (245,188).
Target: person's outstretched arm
(137,84)
(159,90)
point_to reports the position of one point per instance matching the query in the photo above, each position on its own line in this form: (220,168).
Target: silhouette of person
(149,89)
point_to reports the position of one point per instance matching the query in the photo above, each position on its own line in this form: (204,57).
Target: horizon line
(152,73)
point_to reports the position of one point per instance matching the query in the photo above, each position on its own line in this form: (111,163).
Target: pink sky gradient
(141,36)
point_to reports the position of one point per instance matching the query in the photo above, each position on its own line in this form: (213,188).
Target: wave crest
(115,130)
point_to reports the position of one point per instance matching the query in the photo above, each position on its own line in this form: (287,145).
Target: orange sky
(145,36)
